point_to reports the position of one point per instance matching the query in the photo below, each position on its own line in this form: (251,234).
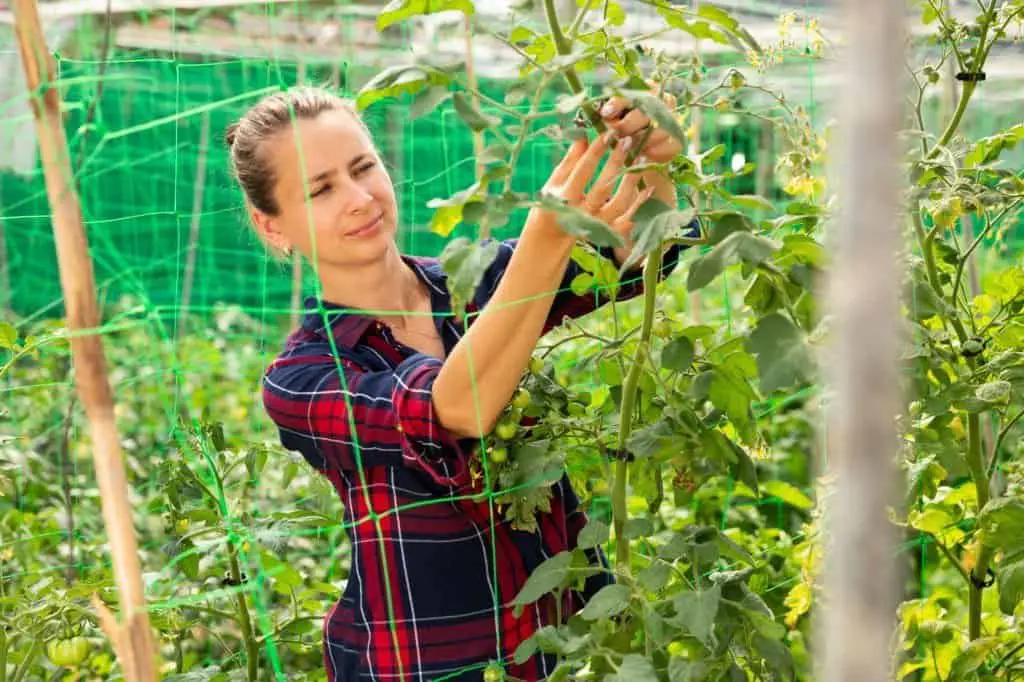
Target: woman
(385,393)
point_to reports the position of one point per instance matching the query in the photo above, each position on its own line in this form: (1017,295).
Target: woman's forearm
(482,372)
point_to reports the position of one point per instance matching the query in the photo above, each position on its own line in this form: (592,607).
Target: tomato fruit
(493,674)
(67,652)
(506,430)
(499,455)
(536,365)
(521,399)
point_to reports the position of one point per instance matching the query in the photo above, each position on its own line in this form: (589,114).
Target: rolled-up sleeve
(342,417)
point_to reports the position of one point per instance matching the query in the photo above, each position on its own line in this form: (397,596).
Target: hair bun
(230,134)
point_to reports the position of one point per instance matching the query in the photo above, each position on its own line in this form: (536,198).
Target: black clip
(621,455)
(971,76)
(989,581)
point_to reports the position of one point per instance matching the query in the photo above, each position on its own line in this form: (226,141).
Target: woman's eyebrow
(323,175)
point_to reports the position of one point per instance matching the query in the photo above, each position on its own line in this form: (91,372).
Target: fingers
(632,123)
(623,224)
(619,203)
(568,162)
(605,183)
(584,169)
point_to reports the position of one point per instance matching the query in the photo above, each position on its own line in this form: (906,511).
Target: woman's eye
(366,167)
(321,190)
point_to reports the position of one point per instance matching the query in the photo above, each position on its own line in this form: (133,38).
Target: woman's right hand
(569,181)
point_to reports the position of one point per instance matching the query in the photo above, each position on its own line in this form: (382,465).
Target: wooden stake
(197,217)
(863,395)
(132,639)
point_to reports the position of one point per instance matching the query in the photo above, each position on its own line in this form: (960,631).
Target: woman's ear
(267,230)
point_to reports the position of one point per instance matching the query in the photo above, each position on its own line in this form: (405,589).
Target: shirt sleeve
(340,416)
(568,303)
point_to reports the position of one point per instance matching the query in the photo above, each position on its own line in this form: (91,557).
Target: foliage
(695,443)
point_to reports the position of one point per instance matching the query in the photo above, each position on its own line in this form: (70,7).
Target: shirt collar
(349,324)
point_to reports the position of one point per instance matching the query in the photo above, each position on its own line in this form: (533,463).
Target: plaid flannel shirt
(434,572)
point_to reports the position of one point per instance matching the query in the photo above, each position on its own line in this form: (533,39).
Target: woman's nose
(357,198)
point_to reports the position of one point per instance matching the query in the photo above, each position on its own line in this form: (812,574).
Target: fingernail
(608,109)
(627,144)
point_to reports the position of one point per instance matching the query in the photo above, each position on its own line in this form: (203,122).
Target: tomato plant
(689,418)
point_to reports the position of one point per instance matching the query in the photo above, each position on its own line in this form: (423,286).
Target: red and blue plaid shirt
(434,570)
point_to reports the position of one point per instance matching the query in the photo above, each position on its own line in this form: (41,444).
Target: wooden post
(132,640)
(863,396)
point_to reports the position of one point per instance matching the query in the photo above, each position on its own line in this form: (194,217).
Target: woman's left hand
(660,147)
(626,121)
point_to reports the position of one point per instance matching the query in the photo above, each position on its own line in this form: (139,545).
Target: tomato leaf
(609,601)
(634,668)
(678,354)
(473,117)
(783,358)
(654,223)
(738,246)
(396,80)
(595,534)
(696,611)
(545,578)
(400,10)
(1011,585)
(465,263)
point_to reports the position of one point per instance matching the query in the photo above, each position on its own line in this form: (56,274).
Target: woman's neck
(385,288)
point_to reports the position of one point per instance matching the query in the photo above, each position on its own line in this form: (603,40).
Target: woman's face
(333,192)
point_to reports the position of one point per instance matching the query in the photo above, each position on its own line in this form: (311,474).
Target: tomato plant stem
(244,619)
(620,513)
(981,482)
(33,651)
(564,46)
(3,655)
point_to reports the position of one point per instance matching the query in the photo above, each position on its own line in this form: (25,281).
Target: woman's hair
(269,116)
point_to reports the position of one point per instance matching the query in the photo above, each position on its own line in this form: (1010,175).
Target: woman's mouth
(367,230)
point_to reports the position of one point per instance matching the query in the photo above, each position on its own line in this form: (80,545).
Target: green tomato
(499,455)
(506,430)
(493,674)
(576,409)
(181,526)
(521,399)
(536,365)
(67,653)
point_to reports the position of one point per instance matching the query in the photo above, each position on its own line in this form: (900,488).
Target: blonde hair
(272,114)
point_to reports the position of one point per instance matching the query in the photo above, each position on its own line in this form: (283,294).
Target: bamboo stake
(197,217)
(861,577)
(132,640)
